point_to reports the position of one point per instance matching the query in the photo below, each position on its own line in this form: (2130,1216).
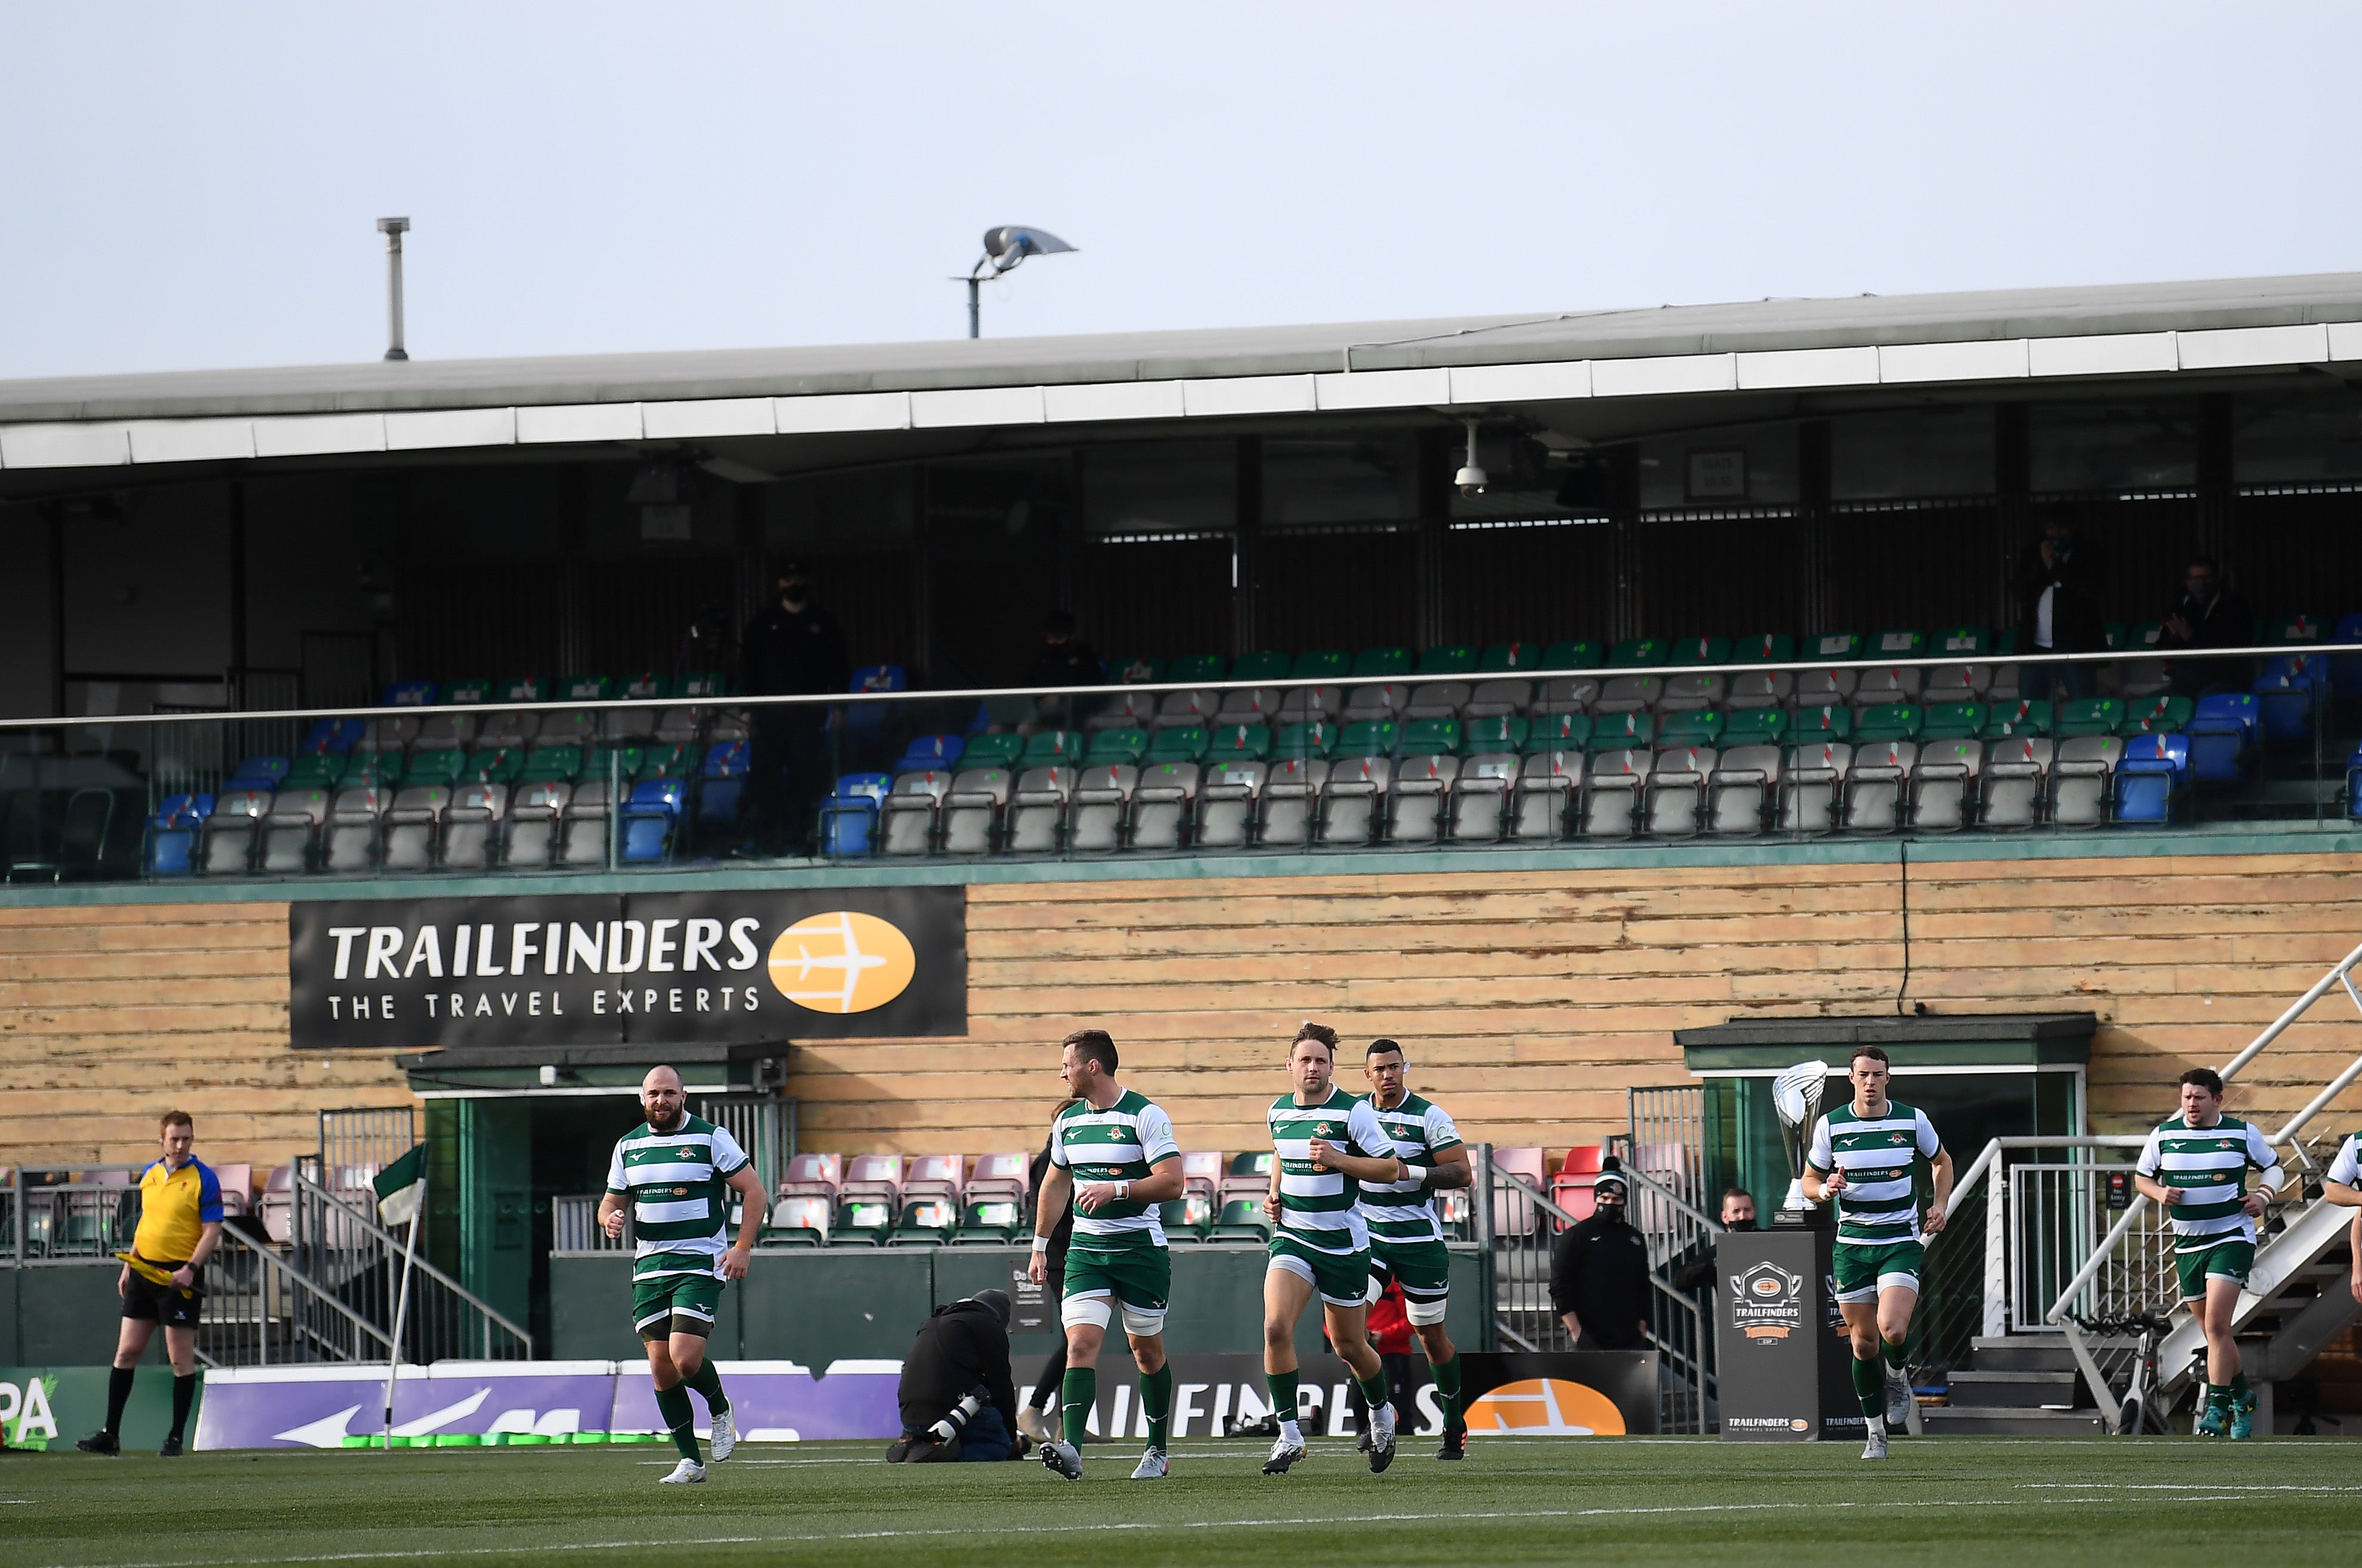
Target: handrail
(306,1285)
(371,1227)
(1678,1202)
(2296,1010)
(1991,1153)
(1281,683)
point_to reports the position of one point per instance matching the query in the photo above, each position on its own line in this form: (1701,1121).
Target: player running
(1866,1155)
(1114,1152)
(2343,1187)
(676,1170)
(1327,1144)
(2204,1155)
(1406,1241)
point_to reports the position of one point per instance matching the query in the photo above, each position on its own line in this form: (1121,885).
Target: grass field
(2091,1503)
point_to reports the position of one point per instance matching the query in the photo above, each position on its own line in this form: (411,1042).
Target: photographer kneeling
(958,1400)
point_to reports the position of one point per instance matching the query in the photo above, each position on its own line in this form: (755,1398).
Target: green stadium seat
(1510,658)
(1584,654)
(1559,732)
(1239,743)
(2018,720)
(1503,732)
(1177,746)
(521,689)
(1241,1221)
(467,692)
(2160,715)
(2144,635)
(1898,644)
(1186,1218)
(1430,737)
(861,1222)
(2294,631)
(1833,645)
(2005,641)
(1053,748)
(699,683)
(2087,716)
(1953,721)
(613,761)
(1135,670)
(1887,722)
(1317,739)
(1829,721)
(1457,660)
(1964,642)
(314,770)
(1755,726)
(496,764)
(1615,732)
(1638,652)
(799,1221)
(1197,667)
(989,1222)
(1381,664)
(1700,650)
(993,751)
(1256,666)
(1115,748)
(1696,726)
(438,766)
(647,686)
(926,1223)
(585,689)
(1763,647)
(1369,737)
(674,759)
(1324,664)
(551,764)
(1252,1163)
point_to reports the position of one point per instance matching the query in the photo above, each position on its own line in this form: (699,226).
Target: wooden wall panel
(1530,1000)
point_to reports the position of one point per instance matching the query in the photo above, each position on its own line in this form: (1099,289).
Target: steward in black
(1599,1274)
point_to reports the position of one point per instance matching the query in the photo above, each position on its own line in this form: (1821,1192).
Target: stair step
(2022,1353)
(2016,1389)
(1956,1420)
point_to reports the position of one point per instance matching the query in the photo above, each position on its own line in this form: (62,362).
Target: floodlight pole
(393,228)
(974,318)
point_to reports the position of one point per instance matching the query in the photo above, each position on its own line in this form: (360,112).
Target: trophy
(1796,1099)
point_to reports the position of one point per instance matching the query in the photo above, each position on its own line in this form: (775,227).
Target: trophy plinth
(1796,1099)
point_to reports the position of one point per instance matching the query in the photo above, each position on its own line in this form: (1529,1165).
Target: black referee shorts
(164,1304)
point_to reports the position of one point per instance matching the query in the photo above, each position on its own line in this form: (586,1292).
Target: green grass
(2091,1503)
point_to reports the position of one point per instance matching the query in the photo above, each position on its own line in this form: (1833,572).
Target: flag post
(400,1195)
(402,1311)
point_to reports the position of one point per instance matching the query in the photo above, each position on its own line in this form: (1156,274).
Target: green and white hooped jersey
(1120,1143)
(2210,1165)
(2346,1168)
(1420,1130)
(1879,1155)
(679,1188)
(1322,1208)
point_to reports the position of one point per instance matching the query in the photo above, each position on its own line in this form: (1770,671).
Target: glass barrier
(1792,748)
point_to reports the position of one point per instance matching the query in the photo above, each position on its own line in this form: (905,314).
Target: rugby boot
(687,1473)
(1283,1454)
(1153,1465)
(171,1449)
(1899,1400)
(725,1436)
(1876,1447)
(99,1443)
(2243,1416)
(1455,1444)
(1060,1459)
(1030,1423)
(1381,1439)
(2212,1421)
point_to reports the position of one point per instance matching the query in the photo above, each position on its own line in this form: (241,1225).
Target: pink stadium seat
(279,1204)
(1201,1174)
(872,1176)
(237,1189)
(1000,1175)
(814,1176)
(934,1175)
(1513,1213)
(808,1214)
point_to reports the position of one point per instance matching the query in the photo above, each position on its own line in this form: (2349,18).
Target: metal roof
(1757,326)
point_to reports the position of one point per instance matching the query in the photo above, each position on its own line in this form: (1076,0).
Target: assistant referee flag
(399,1186)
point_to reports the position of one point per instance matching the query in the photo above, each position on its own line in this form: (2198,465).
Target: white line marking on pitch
(1103,1525)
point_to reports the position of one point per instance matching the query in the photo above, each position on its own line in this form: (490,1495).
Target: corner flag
(400,1188)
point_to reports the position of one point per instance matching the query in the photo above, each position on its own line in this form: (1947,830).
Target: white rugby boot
(1382,1438)
(1060,1459)
(1153,1465)
(1876,1447)
(725,1436)
(1899,1401)
(1283,1454)
(686,1472)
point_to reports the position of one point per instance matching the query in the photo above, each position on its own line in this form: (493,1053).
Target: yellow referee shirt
(175,1206)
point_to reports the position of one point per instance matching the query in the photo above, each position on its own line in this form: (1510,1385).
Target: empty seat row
(648,686)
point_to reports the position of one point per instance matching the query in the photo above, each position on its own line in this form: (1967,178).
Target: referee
(179,1226)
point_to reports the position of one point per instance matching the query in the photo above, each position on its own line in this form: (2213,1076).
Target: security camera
(1471,478)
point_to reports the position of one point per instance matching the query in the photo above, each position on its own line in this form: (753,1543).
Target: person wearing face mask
(1737,1214)
(1599,1272)
(793,648)
(2058,590)
(2208,615)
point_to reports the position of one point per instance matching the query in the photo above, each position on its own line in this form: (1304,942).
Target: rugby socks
(184,1394)
(1870,1387)
(708,1383)
(1447,1394)
(679,1419)
(1156,1399)
(1892,1351)
(1376,1391)
(1283,1404)
(119,1394)
(2239,1387)
(1077,1394)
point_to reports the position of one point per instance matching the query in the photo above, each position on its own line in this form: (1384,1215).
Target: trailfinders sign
(609,969)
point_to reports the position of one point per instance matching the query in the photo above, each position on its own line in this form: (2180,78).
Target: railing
(78,1220)
(260,1309)
(81,796)
(337,1243)
(369,1138)
(574,1226)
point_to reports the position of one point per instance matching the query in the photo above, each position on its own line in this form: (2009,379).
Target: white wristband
(1041,1243)
(1414,1172)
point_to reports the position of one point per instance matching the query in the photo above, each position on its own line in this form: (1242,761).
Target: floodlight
(1004,247)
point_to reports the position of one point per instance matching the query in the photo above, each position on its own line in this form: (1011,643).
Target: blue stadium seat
(650,814)
(2285,693)
(721,782)
(848,819)
(866,719)
(931,753)
(2149,776)
(170,849)
(2346,668)
(2222,737)
(408,694)
(334,734)
(270,772)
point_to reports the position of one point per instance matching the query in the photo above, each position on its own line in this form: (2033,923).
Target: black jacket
(1061,1233)
(1599,1272)
(2075,624)
(960,1347)
(1700,1271)
(1070,663)
(2226,623)
(790,652)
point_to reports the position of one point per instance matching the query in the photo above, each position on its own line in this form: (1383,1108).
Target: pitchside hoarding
(1784,1353)
(628,969)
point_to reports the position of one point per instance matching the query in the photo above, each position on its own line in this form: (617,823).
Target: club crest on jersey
(1897,1138)
(1322,1130)
(2226,1144)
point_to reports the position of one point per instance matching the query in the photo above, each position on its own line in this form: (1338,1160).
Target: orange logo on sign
(841,962)
(1546,1406)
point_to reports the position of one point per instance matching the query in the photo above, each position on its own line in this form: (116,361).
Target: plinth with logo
(1782,1349)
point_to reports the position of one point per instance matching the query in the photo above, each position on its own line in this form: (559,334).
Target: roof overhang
(1755,1046)
(466,1070)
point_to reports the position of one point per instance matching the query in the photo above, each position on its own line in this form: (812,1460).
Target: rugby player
(1406,1239)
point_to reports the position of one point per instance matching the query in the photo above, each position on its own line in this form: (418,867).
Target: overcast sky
(190,186)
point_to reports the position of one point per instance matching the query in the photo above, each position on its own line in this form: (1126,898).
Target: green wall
(63,1315)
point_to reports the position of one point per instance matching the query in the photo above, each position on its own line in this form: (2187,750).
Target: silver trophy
(1796,1097)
